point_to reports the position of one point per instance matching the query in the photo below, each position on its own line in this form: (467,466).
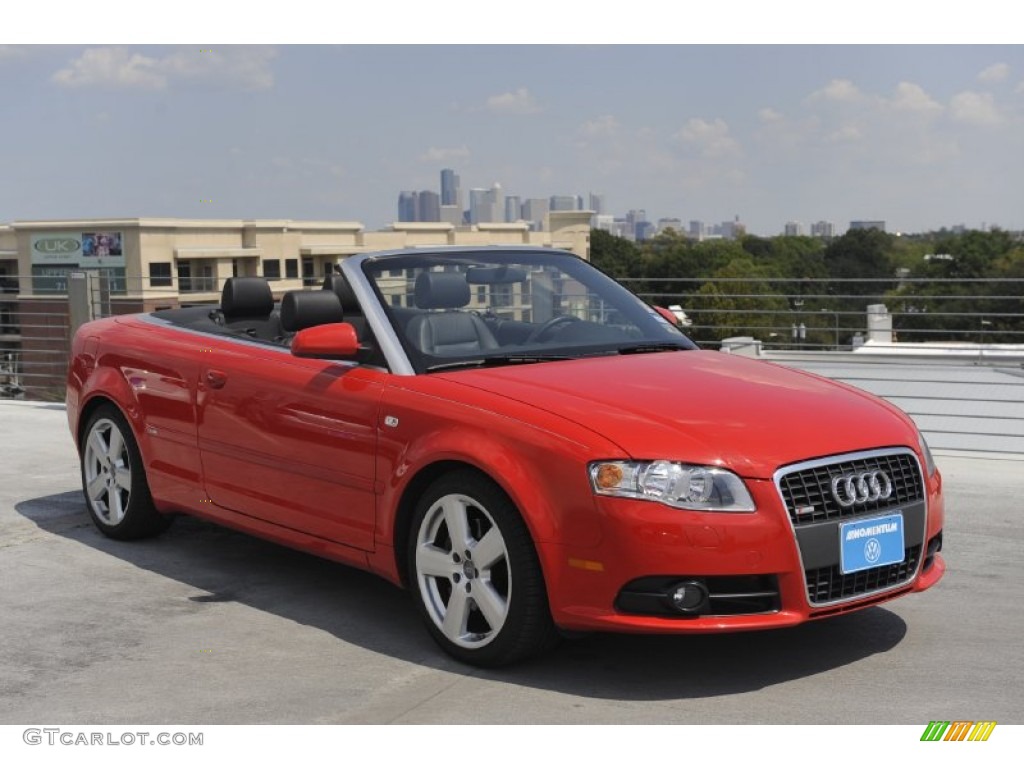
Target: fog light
(689,597)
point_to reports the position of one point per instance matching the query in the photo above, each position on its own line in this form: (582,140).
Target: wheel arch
(548,488)
(91,406)
(411,494)
(107,387)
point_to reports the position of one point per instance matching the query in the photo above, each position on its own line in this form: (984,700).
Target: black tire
(114,479)
(508,618)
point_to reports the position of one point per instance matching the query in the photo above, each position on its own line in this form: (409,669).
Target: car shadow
(223,565)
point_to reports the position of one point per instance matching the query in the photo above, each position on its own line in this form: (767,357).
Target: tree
(614,255)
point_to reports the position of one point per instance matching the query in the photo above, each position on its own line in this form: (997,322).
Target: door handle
(216,379)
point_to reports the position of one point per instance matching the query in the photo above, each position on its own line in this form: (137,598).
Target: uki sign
(85,250)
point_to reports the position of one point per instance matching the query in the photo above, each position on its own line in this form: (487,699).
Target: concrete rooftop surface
(205,625)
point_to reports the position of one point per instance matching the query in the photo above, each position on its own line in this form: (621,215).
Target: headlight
(929,460)
(685,486)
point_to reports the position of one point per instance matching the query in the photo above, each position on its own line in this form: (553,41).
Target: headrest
(304,309)
(246,297)
(441,290)
(338,284)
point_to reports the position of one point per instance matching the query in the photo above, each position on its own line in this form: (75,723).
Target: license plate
(871,543)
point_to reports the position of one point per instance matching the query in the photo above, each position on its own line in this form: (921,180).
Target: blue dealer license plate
(871,543)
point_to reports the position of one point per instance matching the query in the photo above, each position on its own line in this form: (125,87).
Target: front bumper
(641,540)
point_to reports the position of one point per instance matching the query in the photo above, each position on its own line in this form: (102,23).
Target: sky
(919,135)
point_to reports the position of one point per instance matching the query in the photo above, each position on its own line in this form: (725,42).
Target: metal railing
(34,343)
(808,314)
(935,377)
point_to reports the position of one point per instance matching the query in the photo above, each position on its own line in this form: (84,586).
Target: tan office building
(148,264)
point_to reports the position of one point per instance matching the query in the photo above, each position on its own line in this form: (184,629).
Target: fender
(542,467)
(108,383)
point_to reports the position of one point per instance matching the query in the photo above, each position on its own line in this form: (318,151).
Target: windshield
(503,307)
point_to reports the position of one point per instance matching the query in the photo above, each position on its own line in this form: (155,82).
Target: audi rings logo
(860,487)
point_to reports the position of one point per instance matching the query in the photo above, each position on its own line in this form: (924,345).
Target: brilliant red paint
(296,450)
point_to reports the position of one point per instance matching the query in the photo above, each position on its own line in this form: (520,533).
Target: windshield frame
(656,334)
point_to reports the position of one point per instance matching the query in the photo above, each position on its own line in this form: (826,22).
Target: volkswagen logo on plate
(861,487)
(872,550)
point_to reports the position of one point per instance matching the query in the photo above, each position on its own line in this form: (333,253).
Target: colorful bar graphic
(958,730)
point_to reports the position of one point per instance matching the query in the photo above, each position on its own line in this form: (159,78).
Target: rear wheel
(114,480)
(476,575)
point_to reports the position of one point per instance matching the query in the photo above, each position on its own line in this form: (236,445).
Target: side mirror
(332,341)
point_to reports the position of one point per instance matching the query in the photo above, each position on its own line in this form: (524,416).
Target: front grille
(825,585)
(807,492)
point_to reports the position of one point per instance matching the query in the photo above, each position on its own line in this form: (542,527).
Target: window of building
(160,274)
(206,279)
(272,269)
(185,276)
(291,268)
(308,271)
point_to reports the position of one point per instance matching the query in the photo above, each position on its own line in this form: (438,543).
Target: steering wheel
(546,328)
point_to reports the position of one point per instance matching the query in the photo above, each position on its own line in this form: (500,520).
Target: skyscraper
(635,219)
(407,206)
(497,202)
(478,204)
(563,202)
(428,207)
(793,229)
(824,229)
(451,192)
(535,210)
(512,206)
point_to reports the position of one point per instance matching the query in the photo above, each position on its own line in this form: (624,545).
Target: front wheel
(114,480)
(475,573)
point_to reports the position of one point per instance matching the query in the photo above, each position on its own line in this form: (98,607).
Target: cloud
(769,115)
(247,67)
(845,134)
(17,51)
(975,108)
(518,102)
(604,126)
(444,154)
(114,67)
(710,136)
(839,90)
(244,66)
(911,97)
(995,73)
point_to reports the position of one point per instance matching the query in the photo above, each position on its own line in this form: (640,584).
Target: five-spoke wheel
(475,573)
(114,480)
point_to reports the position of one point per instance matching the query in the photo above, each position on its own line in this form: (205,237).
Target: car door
(289,440)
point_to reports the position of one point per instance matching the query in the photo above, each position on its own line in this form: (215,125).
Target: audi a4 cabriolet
(526,446)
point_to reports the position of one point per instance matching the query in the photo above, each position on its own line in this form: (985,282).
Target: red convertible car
(513,436)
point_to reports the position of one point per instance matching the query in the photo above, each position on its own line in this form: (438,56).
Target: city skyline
(922,137)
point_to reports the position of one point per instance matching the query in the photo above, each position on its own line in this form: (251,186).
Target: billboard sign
(85,250)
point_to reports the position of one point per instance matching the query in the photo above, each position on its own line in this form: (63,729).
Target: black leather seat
(248,307)
(349,303)
(304,309)
(452,331)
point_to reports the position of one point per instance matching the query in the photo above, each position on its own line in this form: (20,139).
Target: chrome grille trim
(899,500)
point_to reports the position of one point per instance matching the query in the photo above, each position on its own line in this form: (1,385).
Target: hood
(702,407)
